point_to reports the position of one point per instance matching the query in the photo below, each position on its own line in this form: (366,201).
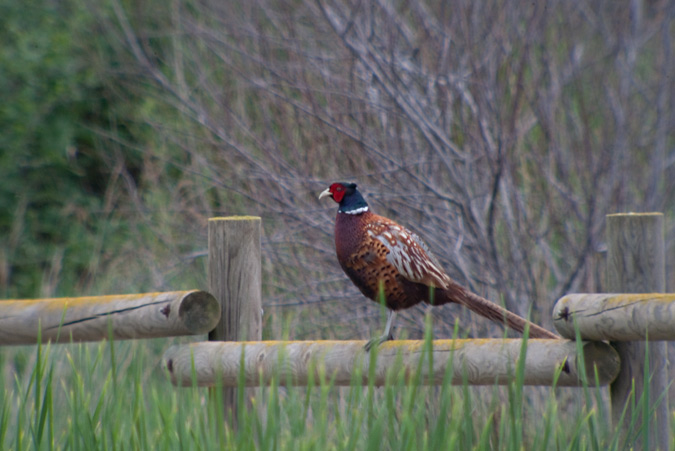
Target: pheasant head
(347,196)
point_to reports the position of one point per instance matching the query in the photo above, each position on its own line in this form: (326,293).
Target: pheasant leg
(391,316)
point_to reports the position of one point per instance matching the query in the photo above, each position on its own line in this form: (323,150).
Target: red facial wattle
(338,191)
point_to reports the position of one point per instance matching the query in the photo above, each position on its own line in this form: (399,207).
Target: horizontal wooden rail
(147,315)
(616,317)
(479,362)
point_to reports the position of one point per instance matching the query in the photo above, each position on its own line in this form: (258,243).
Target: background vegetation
(502,132)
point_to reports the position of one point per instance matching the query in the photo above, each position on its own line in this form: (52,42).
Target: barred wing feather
(408,253)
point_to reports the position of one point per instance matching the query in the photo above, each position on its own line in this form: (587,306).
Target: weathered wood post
(636,264)
(235,281)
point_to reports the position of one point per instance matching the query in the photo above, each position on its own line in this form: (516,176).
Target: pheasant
(387,261)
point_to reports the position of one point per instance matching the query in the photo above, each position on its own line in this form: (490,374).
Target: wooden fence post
(235,281)
(636,264)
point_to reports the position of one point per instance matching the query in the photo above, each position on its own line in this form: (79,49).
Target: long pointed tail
(483,307)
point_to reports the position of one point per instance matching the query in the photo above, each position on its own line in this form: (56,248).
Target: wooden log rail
(616,317)
(92,318)
(478,362)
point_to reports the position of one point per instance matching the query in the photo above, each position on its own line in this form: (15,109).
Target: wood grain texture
(148,315)
(235,280)
(616,317)
(235,276)
(636,264)
(482,362)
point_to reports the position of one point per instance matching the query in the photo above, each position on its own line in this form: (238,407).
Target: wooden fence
(614,329)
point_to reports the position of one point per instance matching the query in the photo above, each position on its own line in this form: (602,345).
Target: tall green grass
(114,395)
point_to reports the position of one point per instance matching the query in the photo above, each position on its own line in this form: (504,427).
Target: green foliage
(52,177)
(72,152)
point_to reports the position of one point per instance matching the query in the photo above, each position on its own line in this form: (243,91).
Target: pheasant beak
(325,193)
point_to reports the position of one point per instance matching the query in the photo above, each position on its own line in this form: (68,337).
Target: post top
(235,218)
(650,213)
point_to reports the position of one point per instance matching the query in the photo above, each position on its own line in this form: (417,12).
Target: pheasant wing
(408,253)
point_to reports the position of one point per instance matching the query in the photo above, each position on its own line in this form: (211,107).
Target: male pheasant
(387,261)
